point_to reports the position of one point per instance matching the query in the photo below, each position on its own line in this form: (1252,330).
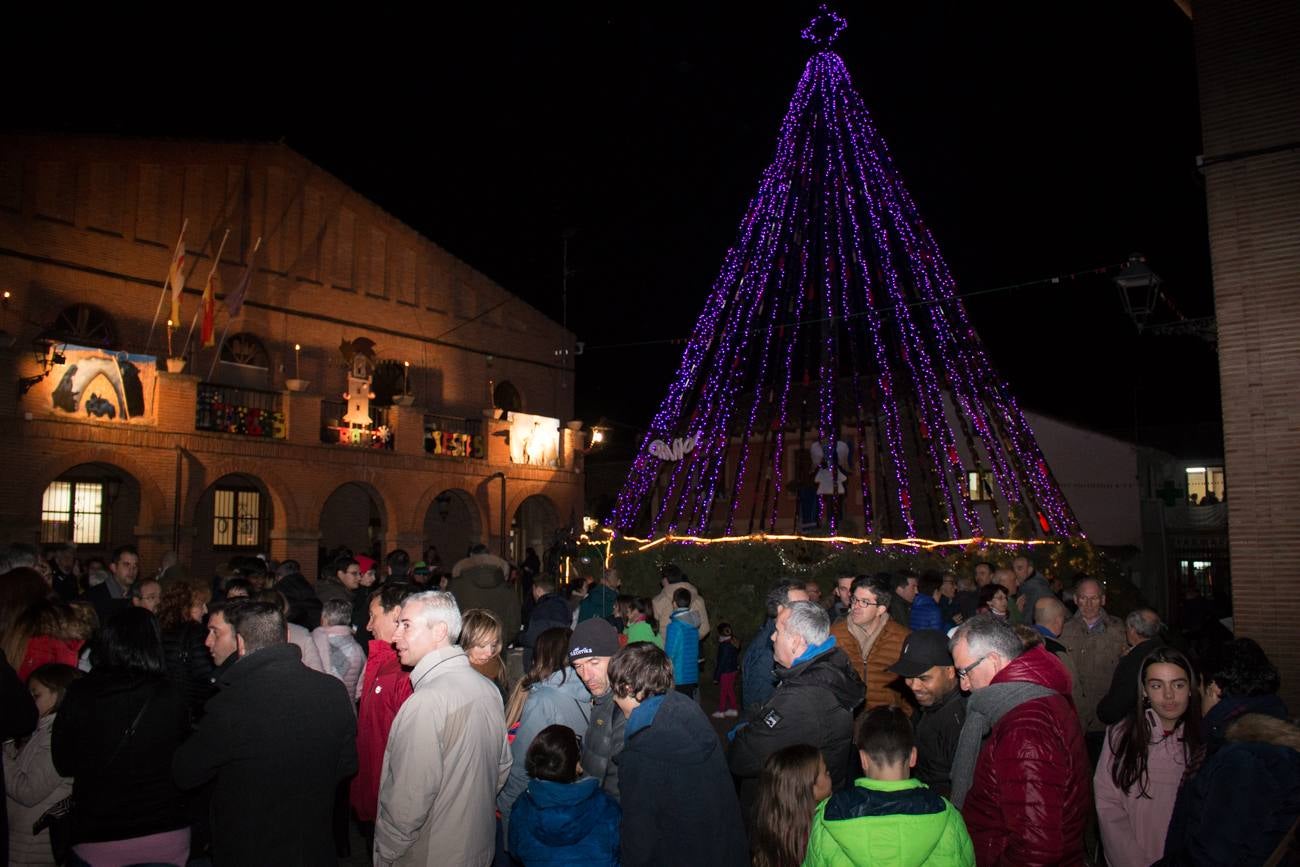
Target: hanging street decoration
(681,446)
(835,319)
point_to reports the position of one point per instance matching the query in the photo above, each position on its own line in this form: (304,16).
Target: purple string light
(816,299)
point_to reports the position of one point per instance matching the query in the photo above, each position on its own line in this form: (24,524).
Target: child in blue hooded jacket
(682,643)
(561,819)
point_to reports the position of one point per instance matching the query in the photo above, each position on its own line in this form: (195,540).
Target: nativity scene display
(100,384)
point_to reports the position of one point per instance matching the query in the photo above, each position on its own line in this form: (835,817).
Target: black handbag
(58,818)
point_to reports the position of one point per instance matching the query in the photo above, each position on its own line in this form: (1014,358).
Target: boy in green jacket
(887,819)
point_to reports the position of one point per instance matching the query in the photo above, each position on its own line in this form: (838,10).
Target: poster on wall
(90,383)
(534,439)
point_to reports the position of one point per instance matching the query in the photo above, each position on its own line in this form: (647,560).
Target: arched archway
(353,515)
(94,505)
(232,518)
(451,524)
(533,526)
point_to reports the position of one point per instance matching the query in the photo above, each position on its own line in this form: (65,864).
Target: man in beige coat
(1096,641)
(447,753)
(672,578)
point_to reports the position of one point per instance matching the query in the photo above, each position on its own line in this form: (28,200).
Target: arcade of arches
(100,505)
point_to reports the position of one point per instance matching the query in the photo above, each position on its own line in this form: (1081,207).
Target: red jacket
(1032,791)
(384,686)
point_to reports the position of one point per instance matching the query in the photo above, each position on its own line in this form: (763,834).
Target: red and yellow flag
(210,290)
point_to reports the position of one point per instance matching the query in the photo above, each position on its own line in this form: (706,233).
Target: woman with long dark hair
(1145,758)
(549,694)
(793,781)
(115,735)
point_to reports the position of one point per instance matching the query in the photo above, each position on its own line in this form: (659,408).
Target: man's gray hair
(809,621)
(984,635)
(1144,622)
(1048,608)
(438,607)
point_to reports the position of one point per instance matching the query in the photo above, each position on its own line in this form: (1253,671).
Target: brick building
(1248,62)
(253,447)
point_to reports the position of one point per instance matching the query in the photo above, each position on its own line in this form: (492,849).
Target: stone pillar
(152,543)
(177,396)
(497,447)
(302,419)
(407,425)
(302,545)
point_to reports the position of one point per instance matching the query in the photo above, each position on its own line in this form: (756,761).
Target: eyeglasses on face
(860,602)
(964,672)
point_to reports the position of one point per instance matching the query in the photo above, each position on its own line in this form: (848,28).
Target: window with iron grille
(73,512)
(237,518)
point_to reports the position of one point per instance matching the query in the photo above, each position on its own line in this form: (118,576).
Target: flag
(176,279)
(235,300)
(210,309)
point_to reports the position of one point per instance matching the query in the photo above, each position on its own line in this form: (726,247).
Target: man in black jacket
(549,611)
(926,666)
(1143,635)
(816,693)
(590,648)
(277,739)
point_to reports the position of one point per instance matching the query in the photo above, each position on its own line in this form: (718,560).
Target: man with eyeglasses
(1021,774)
(873,641)
(1097,642)
(346,578)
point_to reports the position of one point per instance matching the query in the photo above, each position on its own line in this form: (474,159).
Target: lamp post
(1139,289)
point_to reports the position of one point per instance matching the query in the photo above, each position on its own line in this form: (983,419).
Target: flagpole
(166,280)
(199,311)
(216,356)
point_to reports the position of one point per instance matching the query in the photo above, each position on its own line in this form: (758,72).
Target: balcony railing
(448,436)
(243,411)
(335,431)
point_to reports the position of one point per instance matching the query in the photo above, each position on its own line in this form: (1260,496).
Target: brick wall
(1248,57)
(92,221)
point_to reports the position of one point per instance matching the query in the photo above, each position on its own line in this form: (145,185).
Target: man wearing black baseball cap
(590,647)
(926,666)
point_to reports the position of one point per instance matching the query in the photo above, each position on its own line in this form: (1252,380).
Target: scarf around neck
(983,711)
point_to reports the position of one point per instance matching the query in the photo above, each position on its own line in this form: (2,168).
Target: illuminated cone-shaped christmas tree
(835,320)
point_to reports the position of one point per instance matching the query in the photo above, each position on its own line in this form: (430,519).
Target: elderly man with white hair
(447,753)
(816,693)
(1021,772)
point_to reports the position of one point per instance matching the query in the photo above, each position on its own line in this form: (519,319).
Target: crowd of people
(908,719)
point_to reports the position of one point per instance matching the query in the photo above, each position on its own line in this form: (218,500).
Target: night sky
(1038,139)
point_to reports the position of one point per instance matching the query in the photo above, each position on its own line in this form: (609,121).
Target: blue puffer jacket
(682,644)
(565,823)
(926,614)
(561,699)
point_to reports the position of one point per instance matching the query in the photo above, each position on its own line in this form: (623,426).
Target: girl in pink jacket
(1145,758)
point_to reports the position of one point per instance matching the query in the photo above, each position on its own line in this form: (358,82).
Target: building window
(979,485)
(73,512)
(237,518)
(83,325)
(1205,486)
(506,396)
(246,351)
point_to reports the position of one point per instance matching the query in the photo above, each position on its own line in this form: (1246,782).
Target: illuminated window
(1205,486)
(73,512)
(979,485)
(237,518)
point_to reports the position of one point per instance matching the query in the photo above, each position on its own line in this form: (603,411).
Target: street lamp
(1139,289)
